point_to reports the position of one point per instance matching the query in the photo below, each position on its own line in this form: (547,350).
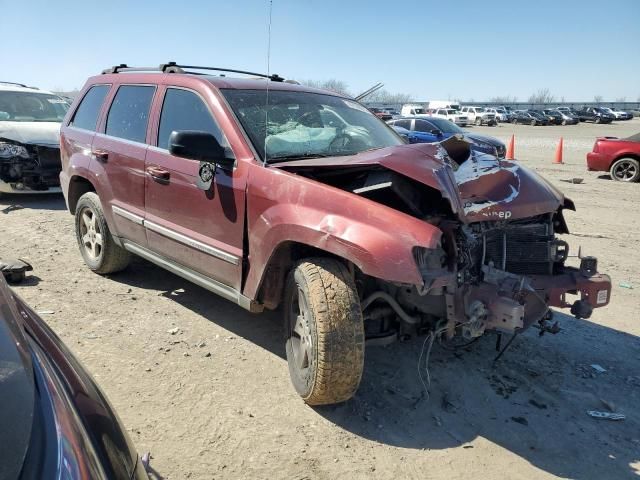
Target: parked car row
(465,115)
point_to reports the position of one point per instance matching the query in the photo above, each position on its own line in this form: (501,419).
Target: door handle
(100,155)
(160,175)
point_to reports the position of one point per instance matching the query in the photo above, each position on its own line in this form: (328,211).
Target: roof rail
(173,67)
(2,82)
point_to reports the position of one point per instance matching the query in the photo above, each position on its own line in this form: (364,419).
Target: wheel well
(78,186)
(625,155)
(280,263)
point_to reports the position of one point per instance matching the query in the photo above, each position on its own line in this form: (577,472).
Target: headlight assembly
(8,150)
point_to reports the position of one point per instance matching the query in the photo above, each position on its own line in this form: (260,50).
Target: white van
(413,110)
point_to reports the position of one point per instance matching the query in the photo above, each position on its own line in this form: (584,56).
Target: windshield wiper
(296,156)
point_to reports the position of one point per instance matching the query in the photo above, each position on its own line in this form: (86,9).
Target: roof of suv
(215,80)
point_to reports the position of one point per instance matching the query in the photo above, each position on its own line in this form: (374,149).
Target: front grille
(521,249)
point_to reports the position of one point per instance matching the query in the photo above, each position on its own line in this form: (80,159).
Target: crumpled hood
(31,133)
(478,186)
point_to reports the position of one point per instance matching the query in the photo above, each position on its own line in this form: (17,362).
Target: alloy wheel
(625,171)
(300,333)
(90,233)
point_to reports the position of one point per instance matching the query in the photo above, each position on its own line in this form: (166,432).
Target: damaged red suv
(268,193)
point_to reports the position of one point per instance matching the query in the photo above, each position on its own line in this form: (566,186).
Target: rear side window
(403,123)
(86,115)
(185,110)
(129,112)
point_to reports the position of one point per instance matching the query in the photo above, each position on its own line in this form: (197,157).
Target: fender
(284,207)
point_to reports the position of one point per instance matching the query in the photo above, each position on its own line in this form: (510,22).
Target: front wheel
(478,121)
(533,123)
(625,170)
(324,331)
(98,249)
(597,120)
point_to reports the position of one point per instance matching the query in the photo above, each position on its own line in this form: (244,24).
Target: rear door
(77,136)
(119,152)
(201,230)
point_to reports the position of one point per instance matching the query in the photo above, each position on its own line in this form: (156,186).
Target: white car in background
(451,115)
(30,139)
(501,115)
(413,110)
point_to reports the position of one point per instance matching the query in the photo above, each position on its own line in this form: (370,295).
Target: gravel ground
(213,399)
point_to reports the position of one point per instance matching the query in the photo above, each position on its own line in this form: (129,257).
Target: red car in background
(618,156)
(381,114)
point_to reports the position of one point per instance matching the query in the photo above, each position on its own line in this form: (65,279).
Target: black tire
(99,251)
(514,121)
(478,121)
(533,123)
(324,331)
(564,122)
(625,170)
(597,120)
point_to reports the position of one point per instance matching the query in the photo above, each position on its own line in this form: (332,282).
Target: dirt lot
(214,400)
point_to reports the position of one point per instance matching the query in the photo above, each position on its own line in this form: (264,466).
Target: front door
(201,230)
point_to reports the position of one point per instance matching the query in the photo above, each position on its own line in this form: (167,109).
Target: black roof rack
(173,67)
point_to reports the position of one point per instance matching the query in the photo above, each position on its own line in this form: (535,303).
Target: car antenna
(369,91)
(266,110)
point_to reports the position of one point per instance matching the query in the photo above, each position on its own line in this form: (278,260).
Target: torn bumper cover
(28,168)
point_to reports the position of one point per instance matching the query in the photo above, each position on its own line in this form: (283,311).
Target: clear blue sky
(430,49)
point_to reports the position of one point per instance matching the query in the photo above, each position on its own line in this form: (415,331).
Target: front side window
(445,126)
(185,110)
(129,112)
(298,124)
(423,126)
(86,115)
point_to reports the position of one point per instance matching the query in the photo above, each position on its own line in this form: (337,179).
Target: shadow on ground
(43,201)
(533,402)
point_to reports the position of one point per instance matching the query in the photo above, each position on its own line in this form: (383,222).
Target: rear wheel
(625,170)
(98,249)
(324,331)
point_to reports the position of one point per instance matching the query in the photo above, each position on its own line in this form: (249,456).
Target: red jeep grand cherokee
(266,192)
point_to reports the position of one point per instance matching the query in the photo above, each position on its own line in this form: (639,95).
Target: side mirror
(202,146)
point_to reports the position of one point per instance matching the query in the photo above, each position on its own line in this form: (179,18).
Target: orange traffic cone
(558,158)
(511,148)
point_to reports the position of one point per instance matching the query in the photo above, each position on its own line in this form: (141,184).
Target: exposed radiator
(521,249)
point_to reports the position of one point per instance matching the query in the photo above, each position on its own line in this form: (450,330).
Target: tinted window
(423,126)
(129,112)
(86,115)
(185,110)
(403,123)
